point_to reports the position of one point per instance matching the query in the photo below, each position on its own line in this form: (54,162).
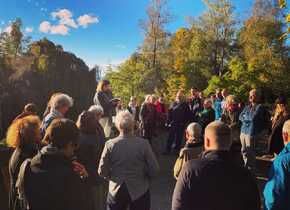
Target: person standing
(129,164)
(89,153)
(178,117)
(195,104)
(281,114)
(104,98)
(224,96)
(59,106)
(207,115)
(277,189)
(24,136)
(51,179)
(215,182)
(189,151)
(148,118)
(161,112)
(218,105)
(254,124)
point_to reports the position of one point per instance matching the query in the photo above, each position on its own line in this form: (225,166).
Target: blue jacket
(253,120)
(277,189)
(218,108)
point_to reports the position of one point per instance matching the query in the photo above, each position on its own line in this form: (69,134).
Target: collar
(216,155)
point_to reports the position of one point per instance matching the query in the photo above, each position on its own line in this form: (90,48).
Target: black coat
(276,143)
(214,182)
(105,100)
(136,117)
(179,114)
(51,183)
(19,155)
(89,154)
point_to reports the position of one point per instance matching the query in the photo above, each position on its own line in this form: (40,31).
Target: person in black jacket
(105,99)
(52,180)
(214,182)
(89,154)
(178,117)
(24,136)
(281,115)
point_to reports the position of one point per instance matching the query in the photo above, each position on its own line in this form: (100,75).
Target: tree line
(217,50)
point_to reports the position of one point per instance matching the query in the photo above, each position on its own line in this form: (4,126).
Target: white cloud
(86,19)
(45,27)
(29,29)
(8,29)
(65,18)
(59,29)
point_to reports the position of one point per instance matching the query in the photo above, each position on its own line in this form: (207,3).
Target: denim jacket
(253,120)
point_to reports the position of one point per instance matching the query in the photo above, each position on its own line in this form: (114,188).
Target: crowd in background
(105,160)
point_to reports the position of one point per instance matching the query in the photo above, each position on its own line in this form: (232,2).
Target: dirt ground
(162,186)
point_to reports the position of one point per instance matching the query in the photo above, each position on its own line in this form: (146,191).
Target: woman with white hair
(129,164)
(148,117)
(59,106)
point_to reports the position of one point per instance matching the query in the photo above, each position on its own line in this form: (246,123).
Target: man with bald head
(214,181)
(277,189)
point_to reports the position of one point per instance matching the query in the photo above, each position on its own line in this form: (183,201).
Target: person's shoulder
(282,160)
(194,165)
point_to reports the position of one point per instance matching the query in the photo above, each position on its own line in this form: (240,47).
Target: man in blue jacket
(277,189)
(254,124)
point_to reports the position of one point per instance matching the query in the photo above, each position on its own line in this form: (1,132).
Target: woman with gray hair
(192,147)
(129,164)
(59,106)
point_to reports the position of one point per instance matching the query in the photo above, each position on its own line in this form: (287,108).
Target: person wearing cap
(104,98)
(281,114)
(51,179)
(214,181)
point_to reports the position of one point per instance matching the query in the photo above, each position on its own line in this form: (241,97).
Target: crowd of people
(59,164)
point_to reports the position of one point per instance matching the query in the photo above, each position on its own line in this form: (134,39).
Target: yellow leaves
(282,4)
(288,19)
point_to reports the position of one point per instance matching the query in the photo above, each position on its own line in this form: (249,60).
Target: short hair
(231,99)
(286,127)
(61,100)
(87,122)
(220,133)
(31,107)
(23,131)
(147,98)
(258,93)
(194,130)
(124,121)
(61,132)
(207,100)
(96,109)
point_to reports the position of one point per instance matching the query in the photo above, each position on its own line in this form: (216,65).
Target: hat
(281,100)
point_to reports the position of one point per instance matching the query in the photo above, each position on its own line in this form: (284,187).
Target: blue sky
(98,31)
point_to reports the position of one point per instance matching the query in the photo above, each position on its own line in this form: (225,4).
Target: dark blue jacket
(254,120)
(214,182)
(277,189)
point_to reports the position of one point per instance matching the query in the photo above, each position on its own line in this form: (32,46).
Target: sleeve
(104,101)
(104,169)
(151,161)
(142,112)
(181,196)
(275,192)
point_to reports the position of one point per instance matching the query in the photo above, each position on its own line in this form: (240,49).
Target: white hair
(286,127)
(97,109)
(124,121)
(194,130)
(62,100)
